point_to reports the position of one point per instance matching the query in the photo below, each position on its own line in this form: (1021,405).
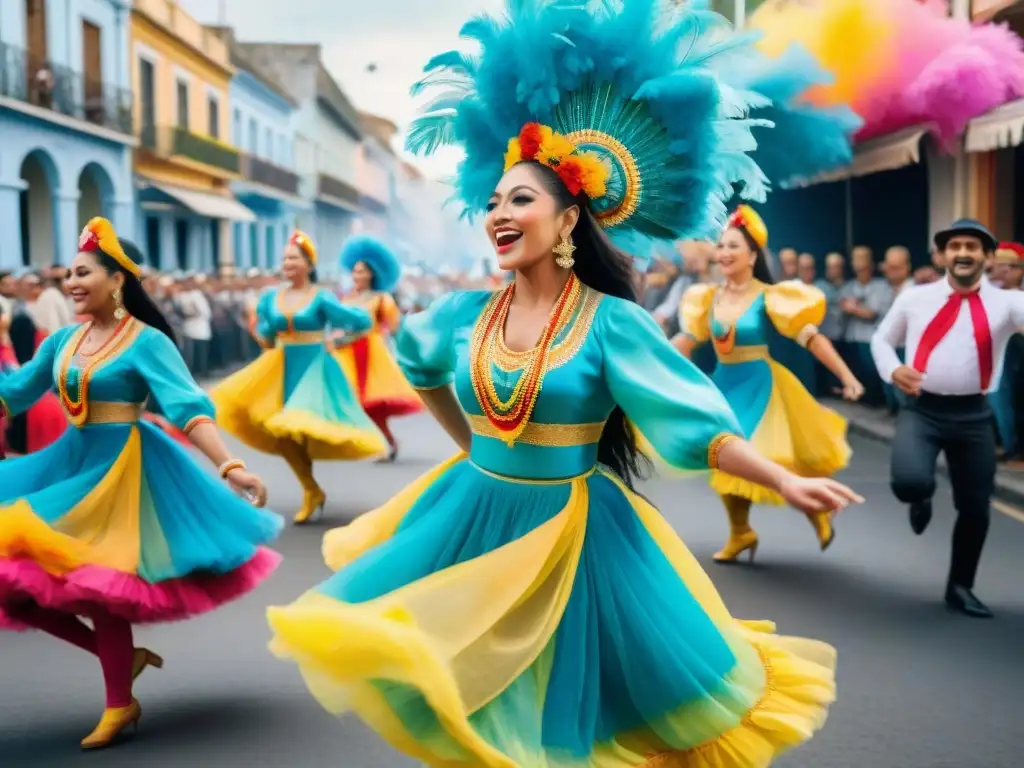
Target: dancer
(955,355)
(115,522)
(382,388)
(779,416)
(521,605)
(294,400)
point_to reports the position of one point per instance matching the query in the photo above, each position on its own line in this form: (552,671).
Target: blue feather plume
(805,141)
(378,257)
(613,66)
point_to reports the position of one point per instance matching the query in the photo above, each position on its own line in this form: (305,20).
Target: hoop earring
(119,312)
(563,253)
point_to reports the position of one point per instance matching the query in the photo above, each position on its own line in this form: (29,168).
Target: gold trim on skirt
(114,413)
(545,435)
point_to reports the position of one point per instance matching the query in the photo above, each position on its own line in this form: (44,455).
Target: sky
(398,36)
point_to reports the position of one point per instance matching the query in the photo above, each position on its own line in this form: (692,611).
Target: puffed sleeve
(425,342)
(181,400)
(679,412)
(264,329)
(21,388)
(389,316)
(695,312)
(795,309)
(341,317)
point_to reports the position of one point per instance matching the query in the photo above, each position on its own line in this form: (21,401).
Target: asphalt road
(918,687)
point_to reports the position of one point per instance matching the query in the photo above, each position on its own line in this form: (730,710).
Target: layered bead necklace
(511,416)
(77,408)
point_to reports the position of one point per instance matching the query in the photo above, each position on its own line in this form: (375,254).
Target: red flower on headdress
(529,140)
(88,241)
(571,174)
(737,219)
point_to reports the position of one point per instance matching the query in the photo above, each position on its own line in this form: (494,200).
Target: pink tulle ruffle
(125,595)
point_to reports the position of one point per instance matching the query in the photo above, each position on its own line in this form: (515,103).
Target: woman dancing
(779,416)
(294,400)
(115,522)
(521,605)
(383,389)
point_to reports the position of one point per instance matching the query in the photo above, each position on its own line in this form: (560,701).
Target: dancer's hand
(908,380)
(813,494)
(249,485)
(852,390)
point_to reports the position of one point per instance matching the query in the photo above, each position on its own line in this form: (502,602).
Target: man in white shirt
(955,333)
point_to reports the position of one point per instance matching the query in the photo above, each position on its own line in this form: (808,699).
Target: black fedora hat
(971,227)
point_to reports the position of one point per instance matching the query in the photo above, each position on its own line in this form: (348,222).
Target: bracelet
(716,447)
(229,465)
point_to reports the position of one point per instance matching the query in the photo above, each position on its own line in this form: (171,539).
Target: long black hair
(605,268)
(762,271)
(136,301)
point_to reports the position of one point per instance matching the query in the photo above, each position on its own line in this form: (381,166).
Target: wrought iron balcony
(261,172)
(34,81)
(170,141)
(332,187)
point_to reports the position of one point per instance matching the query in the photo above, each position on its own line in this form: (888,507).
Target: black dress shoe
(920,515)
(963,600)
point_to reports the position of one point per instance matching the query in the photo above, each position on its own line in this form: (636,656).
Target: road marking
(1009,511)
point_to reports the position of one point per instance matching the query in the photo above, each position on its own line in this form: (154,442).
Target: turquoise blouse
(148,364)
(323,311)
(611,353)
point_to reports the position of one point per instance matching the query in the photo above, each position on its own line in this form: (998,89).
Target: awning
(1002,127)
(208,204)
(884,153)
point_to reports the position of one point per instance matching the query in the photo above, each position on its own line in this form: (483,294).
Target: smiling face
(735,257)
(362,277)
(965,259)
(295,267)
(525,220)
(90,286)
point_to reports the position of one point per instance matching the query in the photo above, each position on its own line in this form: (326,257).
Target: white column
(227,244)
(66,230)
(10,223)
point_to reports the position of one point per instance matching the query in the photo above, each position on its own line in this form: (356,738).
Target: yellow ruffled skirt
(297,393)
(784,422)
(479,621)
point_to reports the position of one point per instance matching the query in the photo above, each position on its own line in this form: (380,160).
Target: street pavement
(918,687)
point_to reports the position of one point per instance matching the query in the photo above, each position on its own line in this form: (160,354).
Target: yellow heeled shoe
(142,658)
(736,546)
(114,721)
(312,503)
(823,529)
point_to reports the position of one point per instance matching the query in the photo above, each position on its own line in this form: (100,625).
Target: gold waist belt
(546,435)
(300,337)
(743,354)
(113,413)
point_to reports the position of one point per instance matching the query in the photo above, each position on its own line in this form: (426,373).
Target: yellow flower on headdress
(749,220)
(579,171)
(99,235)
(554,148)
(514,153)
(305,244)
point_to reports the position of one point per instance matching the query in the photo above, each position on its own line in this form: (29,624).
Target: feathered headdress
(377,256)
(305,244)
(805,140)
(99,235)
(623,106)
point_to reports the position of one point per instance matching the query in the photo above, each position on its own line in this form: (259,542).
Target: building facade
(377,176)
(263,117)
(328,137)
(65,117)
(185,162)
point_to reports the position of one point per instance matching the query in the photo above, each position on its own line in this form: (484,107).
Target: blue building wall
(56,169)
(263,125)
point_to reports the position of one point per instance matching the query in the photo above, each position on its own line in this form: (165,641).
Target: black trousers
(961,427)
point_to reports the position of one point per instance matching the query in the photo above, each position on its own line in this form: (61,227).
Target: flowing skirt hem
(326,439)
(123,594)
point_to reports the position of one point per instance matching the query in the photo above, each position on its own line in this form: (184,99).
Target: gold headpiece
(99,235)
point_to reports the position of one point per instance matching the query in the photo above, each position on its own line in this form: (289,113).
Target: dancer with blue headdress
(382,387)
(521,605)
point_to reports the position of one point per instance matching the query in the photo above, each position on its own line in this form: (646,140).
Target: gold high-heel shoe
(312,504)
(114,721)
(823,529)
(736,546)
(142,658)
